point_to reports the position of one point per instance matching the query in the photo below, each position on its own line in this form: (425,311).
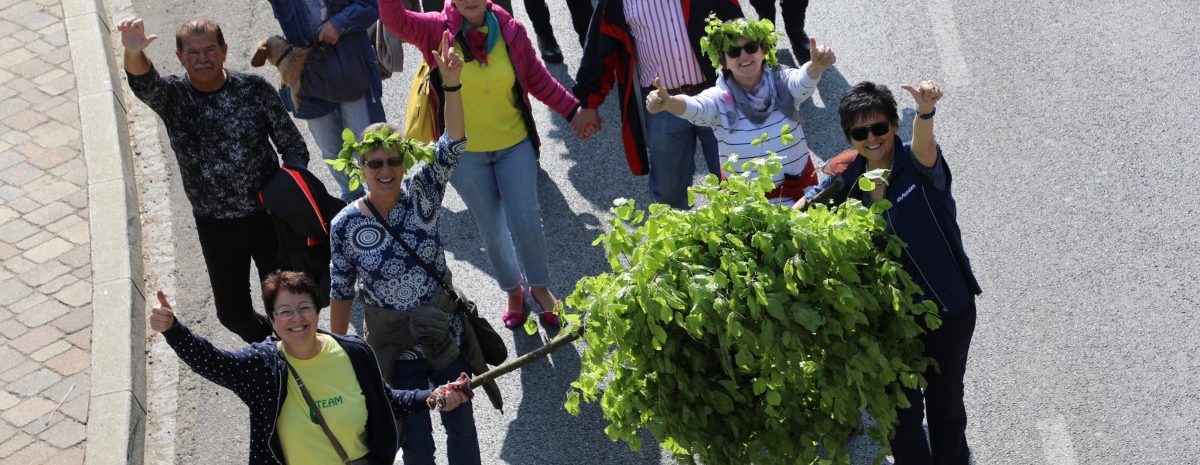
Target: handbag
(420,119)
(490,343)
(389,50)
(312,407)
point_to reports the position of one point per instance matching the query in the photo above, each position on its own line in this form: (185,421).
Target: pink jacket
(424,30)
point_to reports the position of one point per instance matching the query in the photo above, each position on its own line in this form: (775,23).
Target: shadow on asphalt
(559,436)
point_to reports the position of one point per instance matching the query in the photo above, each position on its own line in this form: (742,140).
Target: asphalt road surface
(1071,128)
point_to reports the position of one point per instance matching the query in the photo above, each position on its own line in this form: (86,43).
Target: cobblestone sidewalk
(45,280)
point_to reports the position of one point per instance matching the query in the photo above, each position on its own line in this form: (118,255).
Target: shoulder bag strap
(312,405)
(428,268)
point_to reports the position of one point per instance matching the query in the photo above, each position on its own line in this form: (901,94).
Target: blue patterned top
(364,253)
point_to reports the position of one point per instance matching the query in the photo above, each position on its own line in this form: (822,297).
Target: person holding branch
(314,397)
(411,320)
(754,95)
(923,214)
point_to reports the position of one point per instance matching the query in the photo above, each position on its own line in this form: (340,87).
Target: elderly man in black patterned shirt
(222,125)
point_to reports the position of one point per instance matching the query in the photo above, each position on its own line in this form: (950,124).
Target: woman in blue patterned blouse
(411,321)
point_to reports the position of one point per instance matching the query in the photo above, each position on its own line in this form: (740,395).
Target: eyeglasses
(303,310)
(378,163)
(735,51)
(878,129)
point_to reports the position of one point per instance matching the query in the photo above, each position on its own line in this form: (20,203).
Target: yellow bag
(420,121)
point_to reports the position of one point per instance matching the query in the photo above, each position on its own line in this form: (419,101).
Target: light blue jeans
(327,132)
(500,190)
(671,148)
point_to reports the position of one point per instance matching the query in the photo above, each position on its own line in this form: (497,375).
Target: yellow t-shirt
(492,109)
(330,380)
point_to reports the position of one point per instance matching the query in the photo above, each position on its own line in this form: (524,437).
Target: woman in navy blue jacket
(924,215)
(329,24)
(340,373)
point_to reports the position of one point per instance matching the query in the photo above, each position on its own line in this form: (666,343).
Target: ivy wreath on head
(384,138)
(723,35)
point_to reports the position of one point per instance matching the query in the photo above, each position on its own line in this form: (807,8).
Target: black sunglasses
(378,163)
(735,51)
(878,129)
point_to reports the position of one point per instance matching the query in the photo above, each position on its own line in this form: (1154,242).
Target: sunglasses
(878,129)
(735,51)
(378,163)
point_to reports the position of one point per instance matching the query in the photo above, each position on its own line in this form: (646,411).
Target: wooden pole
(566,337)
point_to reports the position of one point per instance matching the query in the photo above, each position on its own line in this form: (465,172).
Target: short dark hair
(198,26)
(864,99)
(297,282)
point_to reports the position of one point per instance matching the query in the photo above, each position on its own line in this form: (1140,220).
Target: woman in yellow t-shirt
(339,373)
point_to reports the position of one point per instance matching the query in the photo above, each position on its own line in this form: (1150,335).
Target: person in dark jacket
(924,215)
(339,372)
(631,42)
(329,24)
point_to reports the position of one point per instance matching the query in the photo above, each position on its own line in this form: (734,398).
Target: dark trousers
(228,246)
(793,21)
(942,399)
(462,440)
(539,15)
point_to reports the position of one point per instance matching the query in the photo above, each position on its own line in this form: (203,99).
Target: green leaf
(773,398)
(531,327)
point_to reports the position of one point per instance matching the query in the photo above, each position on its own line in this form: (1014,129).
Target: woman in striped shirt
(754,96)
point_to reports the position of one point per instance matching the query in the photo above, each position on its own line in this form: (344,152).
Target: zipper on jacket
(913,259)
(279,387)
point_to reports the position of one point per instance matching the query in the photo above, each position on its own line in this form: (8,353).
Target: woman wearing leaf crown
(497,177)
(754,108)
(411,320)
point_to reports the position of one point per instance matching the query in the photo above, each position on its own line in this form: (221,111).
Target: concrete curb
(117,408)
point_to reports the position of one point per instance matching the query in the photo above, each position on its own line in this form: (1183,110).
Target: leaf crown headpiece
(721,35)
(380,136)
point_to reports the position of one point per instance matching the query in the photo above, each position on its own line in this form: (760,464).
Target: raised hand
(162,317)
(926,95)
(449,63)
(133,34)
(657,100)
(328,33)
(586,122)
(821,55)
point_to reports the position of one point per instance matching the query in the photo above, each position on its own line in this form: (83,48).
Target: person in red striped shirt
(630,42)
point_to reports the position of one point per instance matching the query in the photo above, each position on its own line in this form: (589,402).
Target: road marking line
(1056,441)
(945,35)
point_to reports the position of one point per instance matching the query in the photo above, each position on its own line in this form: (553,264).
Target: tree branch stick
(562,339)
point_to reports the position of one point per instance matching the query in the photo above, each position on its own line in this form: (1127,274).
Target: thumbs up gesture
(162,317)
(925,94)
(657,100)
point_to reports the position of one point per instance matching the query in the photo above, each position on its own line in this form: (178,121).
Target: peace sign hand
(926,95)
(656,101)
(162,317)
(449,63)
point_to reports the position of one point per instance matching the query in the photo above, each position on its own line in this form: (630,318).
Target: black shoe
(800,49)
(550,51)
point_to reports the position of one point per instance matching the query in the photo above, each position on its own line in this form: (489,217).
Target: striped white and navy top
(712,108)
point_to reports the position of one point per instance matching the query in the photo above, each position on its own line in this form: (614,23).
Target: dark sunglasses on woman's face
(878,129)
(735,51)
(378,163)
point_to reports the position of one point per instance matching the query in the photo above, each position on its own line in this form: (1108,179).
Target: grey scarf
(777,97)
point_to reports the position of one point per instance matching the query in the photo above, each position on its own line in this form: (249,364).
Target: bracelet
(924,116)
(452,89)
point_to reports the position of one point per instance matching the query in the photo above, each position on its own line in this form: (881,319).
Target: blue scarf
(476,44)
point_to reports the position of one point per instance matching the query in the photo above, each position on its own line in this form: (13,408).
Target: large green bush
(745,332)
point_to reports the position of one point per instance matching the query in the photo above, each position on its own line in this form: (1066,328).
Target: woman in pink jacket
(497,175)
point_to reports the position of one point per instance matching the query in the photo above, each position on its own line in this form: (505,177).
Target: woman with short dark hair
(274,377)
(923,214)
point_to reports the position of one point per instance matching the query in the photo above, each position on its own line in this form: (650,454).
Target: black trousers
(539,15)
(793,20)
(942,399)
(228,246)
